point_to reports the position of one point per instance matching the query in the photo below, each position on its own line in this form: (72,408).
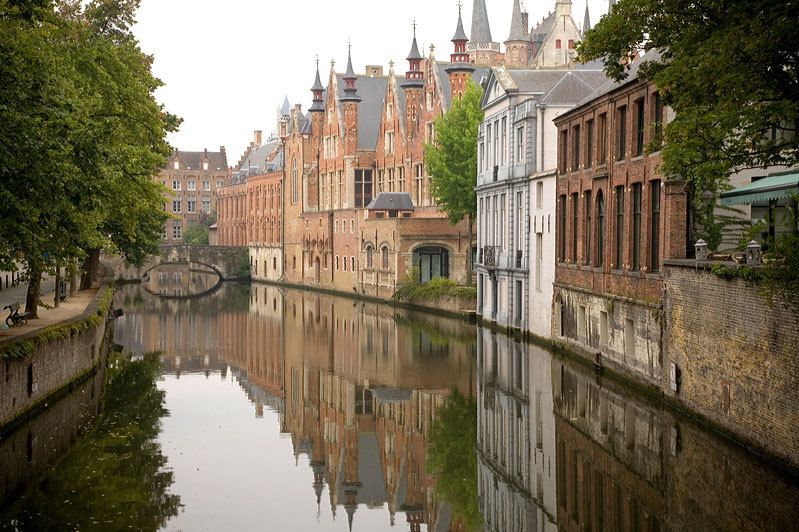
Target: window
(176,165)
(389,142)
(205,165)
(636,226)
(294,187)
(176,228)
(401,179)
(369,258)
(176,204)
(488,143)
(363,188)
(519,229)
(496,143)
(639,130)
(390,173)
(602,148)
(655,227)
(564,138)
(562,229)
(175,185)
(576,151)
(344,263)
(575,205)
(657,117)
(352,263)
(191,204)
(589,143)
(557,44)
(335,226)
(191,185)
(352,225)
(341,189)
(389,111)
(219,184)
(432,261)
(336,262)
(539,194)
(587,250)
(600,230)
(571,44)
(622,133)
(385,257)
(504,140)
(419,183)
(619,226)
(206,185)
(520,145)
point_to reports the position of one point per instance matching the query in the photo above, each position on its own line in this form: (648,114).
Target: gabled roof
(257,159)
(370,110)
(632,76)
(217,160)
(391,201)
(572,88)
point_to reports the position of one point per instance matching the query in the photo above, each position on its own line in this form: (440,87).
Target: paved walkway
(69,308)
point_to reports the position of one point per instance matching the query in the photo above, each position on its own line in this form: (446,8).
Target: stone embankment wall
(36,366)
(736,356)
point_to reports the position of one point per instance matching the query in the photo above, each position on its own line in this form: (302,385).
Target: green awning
(774,187)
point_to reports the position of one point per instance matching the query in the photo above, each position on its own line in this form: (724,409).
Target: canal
(253,407)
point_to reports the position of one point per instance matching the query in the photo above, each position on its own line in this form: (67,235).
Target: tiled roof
(217,160)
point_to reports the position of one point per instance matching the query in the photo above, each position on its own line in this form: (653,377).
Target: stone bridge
(230,262)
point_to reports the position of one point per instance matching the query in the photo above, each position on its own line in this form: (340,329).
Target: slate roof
(632,75)
(370,110)
(414,53)
(460,35)
(285,109)
(217,160)
(391,201)
(256,161)
(558,86)
(481,31)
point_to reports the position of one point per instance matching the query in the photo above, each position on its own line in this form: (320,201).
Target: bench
(15,317)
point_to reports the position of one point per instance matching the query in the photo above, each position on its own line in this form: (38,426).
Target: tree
(82,135)
(452,161)
(451,457)
(729,71)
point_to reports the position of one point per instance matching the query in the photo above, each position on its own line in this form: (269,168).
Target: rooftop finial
(414,27)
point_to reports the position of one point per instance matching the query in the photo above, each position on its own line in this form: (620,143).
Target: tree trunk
(57,291)
(89,269)
(32,299)
(469,264)
(73,277)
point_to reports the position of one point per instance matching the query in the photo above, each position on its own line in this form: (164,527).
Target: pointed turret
(318,104)
(517,47)
(459,58)
(285,109)
(414,77)
(285,114)
(350,92)
(586,21)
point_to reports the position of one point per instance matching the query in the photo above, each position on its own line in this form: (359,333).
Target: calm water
(261,408)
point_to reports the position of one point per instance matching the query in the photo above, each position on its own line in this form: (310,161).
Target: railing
(490,256)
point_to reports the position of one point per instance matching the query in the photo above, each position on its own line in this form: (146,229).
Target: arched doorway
(432,261)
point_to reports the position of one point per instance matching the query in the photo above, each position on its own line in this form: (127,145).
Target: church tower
(459,68)
(517,47)
(482,49)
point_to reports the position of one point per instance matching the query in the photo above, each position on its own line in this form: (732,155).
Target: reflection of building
(516,437)
(180,279)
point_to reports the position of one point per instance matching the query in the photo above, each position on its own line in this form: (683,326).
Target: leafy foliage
(82,134)
(413,290)
(451,457)
(729,71)
(115,476)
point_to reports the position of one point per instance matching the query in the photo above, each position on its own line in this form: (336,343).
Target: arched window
(385,257)
(369,258)
(600,229)
(294,181)
(432,261)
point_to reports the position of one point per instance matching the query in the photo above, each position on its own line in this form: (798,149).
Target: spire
(460,35)
(285,109)
(414,53)
(317,91)
(414,77)
(586,20)
(350,92)
(516,26)
(481,32)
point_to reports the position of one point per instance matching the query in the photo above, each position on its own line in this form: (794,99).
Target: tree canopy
(82,134)
(727,68)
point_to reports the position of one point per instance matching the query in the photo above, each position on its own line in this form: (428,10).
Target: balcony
(489,256)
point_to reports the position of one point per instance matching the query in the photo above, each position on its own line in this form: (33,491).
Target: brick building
(193,177)
(617,219)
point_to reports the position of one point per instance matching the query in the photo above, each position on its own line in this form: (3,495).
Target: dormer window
(176,165)
(205,165)
(389,111)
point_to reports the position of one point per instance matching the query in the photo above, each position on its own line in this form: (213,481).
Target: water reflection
(181,279)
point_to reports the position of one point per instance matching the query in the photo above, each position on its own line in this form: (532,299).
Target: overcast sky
(228,65)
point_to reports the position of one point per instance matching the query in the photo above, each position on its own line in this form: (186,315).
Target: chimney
(257,137)
(525,21)
(373,71)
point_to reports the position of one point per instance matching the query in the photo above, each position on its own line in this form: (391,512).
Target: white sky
(228,65)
